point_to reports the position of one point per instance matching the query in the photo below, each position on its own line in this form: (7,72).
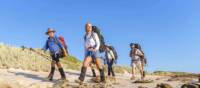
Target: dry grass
(122,69)
(176,74)
(13,57)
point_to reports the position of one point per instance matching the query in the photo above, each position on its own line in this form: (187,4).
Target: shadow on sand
(27,75)
(77,74)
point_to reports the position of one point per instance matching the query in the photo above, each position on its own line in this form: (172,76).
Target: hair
(131,44)
(137,46)
(88,23)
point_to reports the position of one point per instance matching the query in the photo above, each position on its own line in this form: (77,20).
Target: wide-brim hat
(50,30)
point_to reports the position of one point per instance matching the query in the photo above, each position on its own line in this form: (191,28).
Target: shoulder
(139,51)
(56,37)
(94,34)
(48,39)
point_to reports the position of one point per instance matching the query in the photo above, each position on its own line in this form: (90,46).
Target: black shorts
(56,58)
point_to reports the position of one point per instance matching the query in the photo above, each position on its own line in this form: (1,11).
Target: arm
(139,53)
(97,42)
(130,54)
(46,46)
(85,48)
(65,52)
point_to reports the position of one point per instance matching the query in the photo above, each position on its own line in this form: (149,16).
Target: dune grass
(175,74)
(15,57)
(122,69)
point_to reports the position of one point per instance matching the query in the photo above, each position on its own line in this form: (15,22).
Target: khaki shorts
(136,64)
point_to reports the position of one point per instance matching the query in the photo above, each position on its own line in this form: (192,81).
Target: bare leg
(143,72)
(133,70)
(93,69)
(140,67)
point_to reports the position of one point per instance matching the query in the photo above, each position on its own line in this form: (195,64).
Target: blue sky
(168,30)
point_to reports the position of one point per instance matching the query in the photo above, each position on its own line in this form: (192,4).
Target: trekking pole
(33,50)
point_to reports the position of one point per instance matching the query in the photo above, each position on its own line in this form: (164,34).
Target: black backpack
(96,30)
(114,52)
(144,57)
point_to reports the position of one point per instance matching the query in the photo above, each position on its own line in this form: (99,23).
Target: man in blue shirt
(56,49)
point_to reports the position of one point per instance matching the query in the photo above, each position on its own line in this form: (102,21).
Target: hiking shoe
(104,81)
(49,79)
(79,81)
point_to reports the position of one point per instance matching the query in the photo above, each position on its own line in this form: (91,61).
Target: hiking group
(94,48)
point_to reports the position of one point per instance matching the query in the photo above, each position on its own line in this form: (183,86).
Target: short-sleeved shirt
(53,44)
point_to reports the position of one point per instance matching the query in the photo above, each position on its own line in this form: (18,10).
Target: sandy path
(30,78)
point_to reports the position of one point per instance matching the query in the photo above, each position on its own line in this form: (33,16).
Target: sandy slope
(30,79)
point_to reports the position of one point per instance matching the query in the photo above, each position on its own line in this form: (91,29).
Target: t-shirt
(53,44)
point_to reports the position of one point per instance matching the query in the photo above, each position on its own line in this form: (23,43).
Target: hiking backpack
(143,57)
(96,30)
(62,41)
(114,52)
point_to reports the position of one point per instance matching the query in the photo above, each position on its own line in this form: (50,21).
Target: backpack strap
(92,36)
(56,41)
